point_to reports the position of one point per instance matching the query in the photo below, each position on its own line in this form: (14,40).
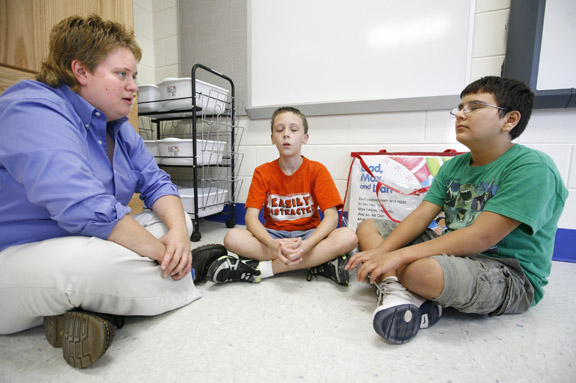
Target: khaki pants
(57,275)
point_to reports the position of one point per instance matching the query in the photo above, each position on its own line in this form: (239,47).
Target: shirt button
(97,114)
(100,142)
(86,125)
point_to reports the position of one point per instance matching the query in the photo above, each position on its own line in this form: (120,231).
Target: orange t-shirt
(291,202)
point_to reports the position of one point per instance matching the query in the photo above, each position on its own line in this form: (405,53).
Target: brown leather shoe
(84,336)
(54,329)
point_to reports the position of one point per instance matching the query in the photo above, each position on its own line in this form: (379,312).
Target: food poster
(391,186)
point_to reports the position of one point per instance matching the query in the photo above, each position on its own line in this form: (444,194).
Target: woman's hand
(177,259)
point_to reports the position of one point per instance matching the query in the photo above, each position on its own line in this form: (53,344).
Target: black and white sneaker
(203,257)
(401,313)
(334,270)
(233,269)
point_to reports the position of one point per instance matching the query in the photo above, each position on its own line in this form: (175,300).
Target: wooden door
(24,33)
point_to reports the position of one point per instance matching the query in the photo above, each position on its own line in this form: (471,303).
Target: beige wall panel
(9,76)
(20,30)
(121,11)
(25,25)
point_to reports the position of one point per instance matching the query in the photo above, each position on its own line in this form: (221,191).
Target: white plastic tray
(210,200)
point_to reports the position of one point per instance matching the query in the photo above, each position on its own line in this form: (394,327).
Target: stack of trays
(154,149)
(210,200)
(175,94)
(147,96)
(178,151)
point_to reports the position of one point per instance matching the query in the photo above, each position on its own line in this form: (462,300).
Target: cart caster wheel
(230,224)
(195,237)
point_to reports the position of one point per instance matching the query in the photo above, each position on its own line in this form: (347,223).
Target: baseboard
(225,215)
(564,249)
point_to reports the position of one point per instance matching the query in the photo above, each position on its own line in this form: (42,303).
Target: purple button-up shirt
(55,176)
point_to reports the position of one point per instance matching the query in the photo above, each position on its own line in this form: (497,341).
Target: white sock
(265,268)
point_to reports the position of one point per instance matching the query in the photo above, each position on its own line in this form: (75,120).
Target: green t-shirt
(523,184)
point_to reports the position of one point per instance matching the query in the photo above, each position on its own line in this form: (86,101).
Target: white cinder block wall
(332,138)
(156,29)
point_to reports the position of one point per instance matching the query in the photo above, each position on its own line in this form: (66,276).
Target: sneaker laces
(391,287)
(314,272)
(242,269)
(328,269)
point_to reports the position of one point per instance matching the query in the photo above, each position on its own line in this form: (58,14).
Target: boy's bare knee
(353,238)
(423,277)
(347,237)
(368,235)
(232,236)
(366,227)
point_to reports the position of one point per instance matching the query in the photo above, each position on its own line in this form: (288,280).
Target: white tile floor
(289,330)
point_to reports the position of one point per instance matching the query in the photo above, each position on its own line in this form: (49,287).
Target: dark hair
(510,94)
(88,40)
(285,109)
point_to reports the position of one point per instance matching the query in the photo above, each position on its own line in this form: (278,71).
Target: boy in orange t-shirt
(291,189)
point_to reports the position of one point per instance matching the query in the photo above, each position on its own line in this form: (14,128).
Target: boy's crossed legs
(327,258)
(400,313)
(413,298)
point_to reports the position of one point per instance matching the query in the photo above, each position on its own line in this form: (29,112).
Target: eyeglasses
(471,106)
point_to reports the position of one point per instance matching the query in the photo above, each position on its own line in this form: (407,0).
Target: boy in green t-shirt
(502,202)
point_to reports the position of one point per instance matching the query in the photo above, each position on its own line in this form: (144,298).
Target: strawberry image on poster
(416,165)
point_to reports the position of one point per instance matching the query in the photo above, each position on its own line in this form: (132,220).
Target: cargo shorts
(478,284)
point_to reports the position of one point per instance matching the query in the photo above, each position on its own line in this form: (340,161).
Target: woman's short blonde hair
(88,40)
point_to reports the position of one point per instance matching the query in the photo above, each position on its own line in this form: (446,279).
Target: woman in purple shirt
(70,161)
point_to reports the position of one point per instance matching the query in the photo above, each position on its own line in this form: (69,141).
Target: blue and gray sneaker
(334,270)
(233,269)
(401,313)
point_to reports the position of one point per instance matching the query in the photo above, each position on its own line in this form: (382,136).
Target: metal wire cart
(191,129)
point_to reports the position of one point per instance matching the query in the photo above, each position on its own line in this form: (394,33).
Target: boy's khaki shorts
(478,284)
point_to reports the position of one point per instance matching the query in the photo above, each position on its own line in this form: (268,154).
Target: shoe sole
(85,338)
(343,272)
(398,324)
(430,314)
(54,329)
